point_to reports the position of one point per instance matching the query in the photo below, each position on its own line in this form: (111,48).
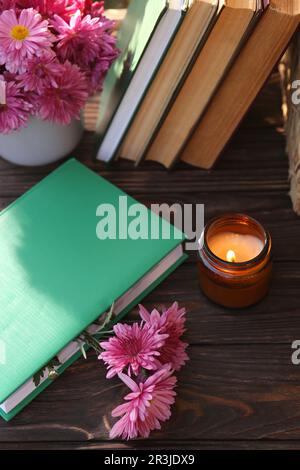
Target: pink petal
(129,382)
(118,428)
(120,410)
(144,314)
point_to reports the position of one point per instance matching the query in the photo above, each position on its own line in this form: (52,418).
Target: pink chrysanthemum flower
(81,40)
(63,8)
(148,405)
(96,72)
(170,322)
(29,4)
(97,8)
(133,346)
(48,8)
(7,5)
(63,102)
(82,5)
(22,38)
(41,73)
(14,108)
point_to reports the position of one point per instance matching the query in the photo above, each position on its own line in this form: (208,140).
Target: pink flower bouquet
(53,55)
(149,352)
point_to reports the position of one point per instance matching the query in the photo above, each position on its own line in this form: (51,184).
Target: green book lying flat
(63,266)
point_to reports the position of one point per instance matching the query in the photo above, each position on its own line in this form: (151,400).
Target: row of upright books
(187,73)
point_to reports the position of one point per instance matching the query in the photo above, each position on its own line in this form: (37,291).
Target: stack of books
(187,73)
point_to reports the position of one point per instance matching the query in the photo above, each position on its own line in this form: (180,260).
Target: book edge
(100,135)
(115,154)
(8,416)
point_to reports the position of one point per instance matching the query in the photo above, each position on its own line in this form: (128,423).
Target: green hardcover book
(144,38)
(59,273)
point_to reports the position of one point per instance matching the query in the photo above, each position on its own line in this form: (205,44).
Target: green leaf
(107,319)
(38,377)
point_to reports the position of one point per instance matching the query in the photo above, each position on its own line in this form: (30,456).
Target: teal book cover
(57,276)
(139,24)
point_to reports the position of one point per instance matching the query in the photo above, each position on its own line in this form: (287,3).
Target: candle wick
(230,256)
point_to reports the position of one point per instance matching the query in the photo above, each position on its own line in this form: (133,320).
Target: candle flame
(230,256)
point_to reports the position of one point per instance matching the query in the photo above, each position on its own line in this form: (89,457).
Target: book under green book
(58,277)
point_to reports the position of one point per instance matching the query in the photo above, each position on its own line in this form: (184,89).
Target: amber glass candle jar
(235,261)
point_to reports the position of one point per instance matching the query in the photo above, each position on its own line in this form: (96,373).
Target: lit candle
(235,247)
(235,261)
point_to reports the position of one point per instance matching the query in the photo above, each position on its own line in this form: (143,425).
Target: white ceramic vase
(40,143)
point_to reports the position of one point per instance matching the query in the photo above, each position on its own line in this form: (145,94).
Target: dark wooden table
(240,389)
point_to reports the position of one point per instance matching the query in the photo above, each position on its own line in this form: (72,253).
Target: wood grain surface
(239,389)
